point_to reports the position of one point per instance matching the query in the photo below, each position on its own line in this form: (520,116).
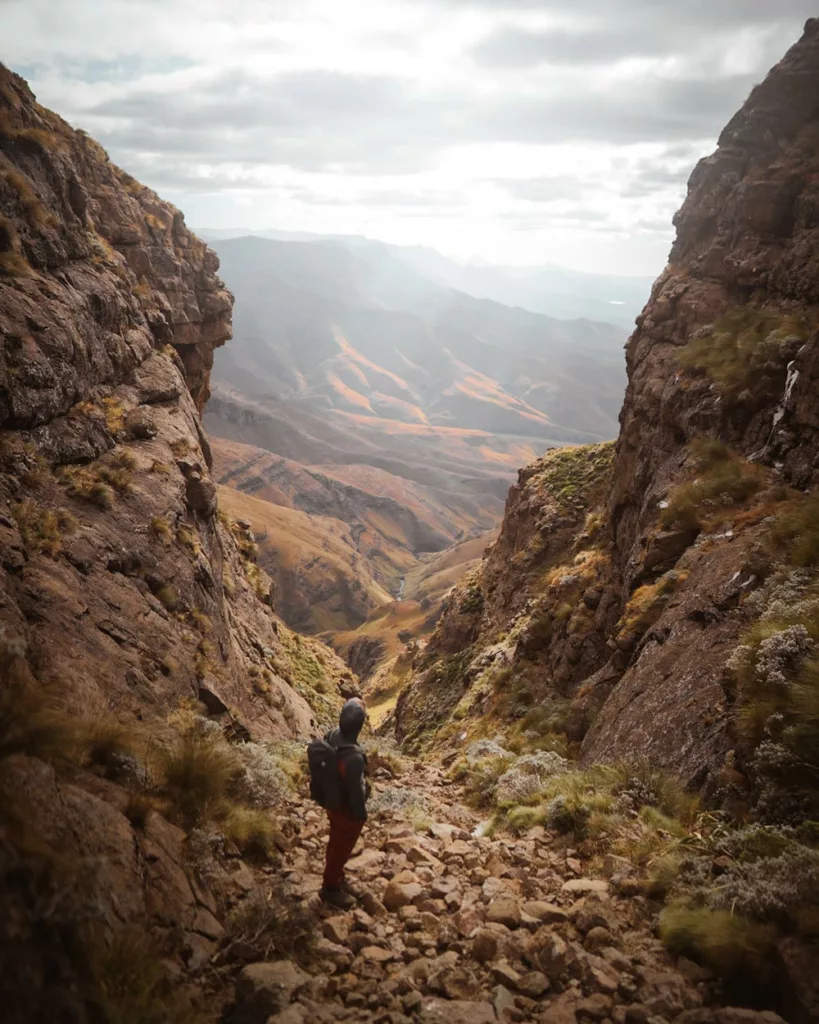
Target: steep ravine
(621,576)
(650,605)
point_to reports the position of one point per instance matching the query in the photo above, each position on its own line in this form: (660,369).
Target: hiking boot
(337,898)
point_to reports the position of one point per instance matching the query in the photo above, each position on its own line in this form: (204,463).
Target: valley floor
(458,927)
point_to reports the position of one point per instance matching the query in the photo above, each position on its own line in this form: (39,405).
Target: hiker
(338,781)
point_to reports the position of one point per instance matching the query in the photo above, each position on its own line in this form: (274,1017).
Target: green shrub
(520,819)
(740,951)
(480,779)
(724,481)
(644,786)
(797,530)
(773,653)
(573,476)
(742,351)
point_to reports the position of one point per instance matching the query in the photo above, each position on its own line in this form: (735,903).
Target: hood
(351,719)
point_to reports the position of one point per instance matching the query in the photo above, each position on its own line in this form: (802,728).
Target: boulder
(456,1011)
(504,974)
(549,953)
(546,913)
(336,929)
(583,886)
(504,911)
(533,984)
(400,894)
(503,1003)
(139,423)
(264,989)
(200,495)
(484,945)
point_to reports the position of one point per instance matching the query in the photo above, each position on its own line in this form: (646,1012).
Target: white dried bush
(772,888)
(781,595)
(781,655)
(482,749)
(527,777)
(396,799)
(261,783)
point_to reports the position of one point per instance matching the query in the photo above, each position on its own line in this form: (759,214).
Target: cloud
(699,12)
(511,47)
(512,130)
(318,120)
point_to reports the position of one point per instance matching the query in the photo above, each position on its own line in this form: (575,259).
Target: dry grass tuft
(647,603)
(12,262)
(253,831)
(133,986)
(724,481)
(199,774)
(42,530)
(741,352)
(93,483)
(189,540)
(181,447)
(35,212)
(168,596)
(114,412)
(797,530)
(738,950)
(160,528)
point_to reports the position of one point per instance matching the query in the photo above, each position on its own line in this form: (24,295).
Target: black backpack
(325,779)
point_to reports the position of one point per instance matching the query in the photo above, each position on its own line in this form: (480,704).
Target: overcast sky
(522,131)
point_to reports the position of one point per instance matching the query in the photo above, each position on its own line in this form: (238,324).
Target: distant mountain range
(360,387)
(549,289)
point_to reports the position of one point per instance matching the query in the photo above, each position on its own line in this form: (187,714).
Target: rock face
(127,599)
(747,239)
(607,597)
(127,591)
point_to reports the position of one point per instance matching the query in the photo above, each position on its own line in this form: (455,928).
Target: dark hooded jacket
(351,758)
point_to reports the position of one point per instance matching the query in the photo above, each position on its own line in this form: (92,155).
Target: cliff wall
(612,607)
(140,658)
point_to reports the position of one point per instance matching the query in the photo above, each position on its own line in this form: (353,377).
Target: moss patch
(573,476)
(742,351)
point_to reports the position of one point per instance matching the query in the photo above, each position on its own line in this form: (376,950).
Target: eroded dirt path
(458,928)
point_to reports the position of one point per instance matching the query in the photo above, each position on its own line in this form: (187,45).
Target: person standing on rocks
(348,810)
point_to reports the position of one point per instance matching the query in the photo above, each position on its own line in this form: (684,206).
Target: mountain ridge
(527,287)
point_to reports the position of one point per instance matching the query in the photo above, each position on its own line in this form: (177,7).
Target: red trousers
(344,833)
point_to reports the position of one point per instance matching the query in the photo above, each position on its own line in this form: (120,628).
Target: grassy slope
(313,554)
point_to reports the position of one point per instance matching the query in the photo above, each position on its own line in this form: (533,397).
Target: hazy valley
(361,388)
